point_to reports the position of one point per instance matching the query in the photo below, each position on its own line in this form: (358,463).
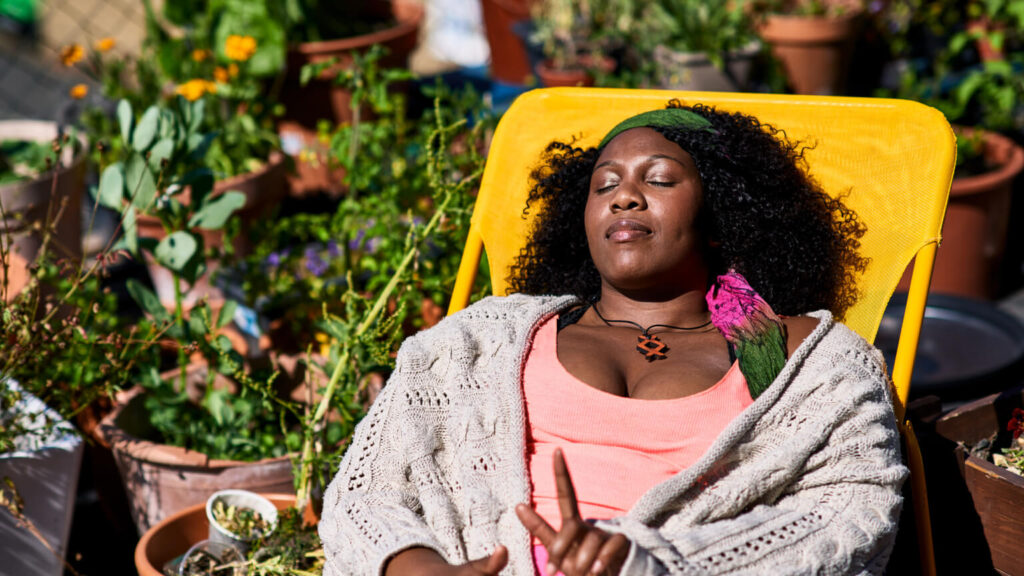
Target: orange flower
(78,91)
(232,70)
(239,48)
(195,89)
(200,55)
(220,75)
(71,54)
(105,44)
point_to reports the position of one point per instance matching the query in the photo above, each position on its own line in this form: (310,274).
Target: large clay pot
(161,480)
(974,231)
(174,535)
(321,99)
(509,60)
(695,71)
(814,51)
(995,494)
(27,204)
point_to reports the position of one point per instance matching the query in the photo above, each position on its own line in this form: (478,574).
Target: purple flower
(274,260)
(354,243)
(332,249)
(315,265)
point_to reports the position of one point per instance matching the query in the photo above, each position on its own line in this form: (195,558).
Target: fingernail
(597,567)
(552,569)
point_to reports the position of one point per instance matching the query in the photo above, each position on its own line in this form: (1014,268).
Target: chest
(608,360)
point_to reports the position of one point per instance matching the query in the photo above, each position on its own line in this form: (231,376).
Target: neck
(686,308)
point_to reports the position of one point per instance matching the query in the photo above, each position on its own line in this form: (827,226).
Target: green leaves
(147,300)
(140,182)
(175,251)
(215,213)
(145,132)
(111,189)
(125,118)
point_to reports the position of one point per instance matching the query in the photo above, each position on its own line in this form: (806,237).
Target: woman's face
(641,214)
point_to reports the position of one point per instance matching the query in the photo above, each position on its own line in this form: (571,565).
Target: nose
(628,196)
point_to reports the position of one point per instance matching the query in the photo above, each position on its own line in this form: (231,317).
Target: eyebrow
(651,157)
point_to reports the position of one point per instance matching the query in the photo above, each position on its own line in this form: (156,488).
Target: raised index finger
(566,493)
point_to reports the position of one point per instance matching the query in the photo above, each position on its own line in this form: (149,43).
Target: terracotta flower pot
(320,99)
(974,231)
(26,204)
(814,51)
(580,76)
(509,60)
(695,71)
(160,479)
(174,535)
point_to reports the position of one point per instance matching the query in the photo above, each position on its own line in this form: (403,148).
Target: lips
(626,231)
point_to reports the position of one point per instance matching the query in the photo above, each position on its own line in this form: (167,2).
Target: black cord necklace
(649,345)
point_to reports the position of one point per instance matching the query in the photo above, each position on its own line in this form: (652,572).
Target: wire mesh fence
(33,83)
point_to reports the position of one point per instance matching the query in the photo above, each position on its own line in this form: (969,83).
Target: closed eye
(606,188)
(663,184)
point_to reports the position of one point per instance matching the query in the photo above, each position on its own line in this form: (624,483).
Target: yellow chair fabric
(891,160)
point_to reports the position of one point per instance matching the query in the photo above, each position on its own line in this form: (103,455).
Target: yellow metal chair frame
(891,160)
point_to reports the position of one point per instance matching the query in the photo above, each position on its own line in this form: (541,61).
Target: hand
(426,562)
(578,549)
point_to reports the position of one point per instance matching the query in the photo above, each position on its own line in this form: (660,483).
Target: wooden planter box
(997,494)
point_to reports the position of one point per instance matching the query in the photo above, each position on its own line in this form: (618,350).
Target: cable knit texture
(805,480)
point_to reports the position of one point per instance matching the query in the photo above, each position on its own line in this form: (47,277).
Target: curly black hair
(769,219)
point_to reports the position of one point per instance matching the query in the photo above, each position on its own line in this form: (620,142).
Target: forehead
(640,142)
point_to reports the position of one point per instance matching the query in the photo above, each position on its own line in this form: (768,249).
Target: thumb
(491,565)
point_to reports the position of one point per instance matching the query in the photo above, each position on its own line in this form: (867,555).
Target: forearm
(415,562)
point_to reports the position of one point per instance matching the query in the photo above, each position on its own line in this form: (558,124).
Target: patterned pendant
(651,347)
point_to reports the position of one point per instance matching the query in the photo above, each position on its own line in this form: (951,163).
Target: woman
(784,460)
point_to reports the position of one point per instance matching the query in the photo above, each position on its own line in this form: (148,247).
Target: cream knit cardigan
(805,480)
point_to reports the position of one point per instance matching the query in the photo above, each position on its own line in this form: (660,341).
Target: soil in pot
(168,540)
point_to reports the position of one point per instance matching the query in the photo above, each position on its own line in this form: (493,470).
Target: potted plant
(570,36)
(812,39)
(180,436)
(306,262)
(324,31)
(42,175)
(362,340)
(987,434)
(983,97)
(238,517)
(64,348)
(693,45)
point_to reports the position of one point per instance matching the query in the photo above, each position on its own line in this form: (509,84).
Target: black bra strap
(571,317)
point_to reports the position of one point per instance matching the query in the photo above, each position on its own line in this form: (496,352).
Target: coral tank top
(616,448)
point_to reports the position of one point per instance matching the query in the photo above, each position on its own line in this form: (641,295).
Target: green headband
(665,118)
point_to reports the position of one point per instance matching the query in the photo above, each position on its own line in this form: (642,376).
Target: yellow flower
(232,69)
(105,44)
(200,55)
(71,54)
(79,91)
(194,89)
(240,48)
(220,74)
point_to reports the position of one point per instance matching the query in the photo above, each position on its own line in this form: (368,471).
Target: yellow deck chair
(893,158)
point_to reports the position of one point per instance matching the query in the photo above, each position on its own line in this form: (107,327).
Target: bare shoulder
(798,328)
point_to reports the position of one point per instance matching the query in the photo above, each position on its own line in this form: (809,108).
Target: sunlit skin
(642,222)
